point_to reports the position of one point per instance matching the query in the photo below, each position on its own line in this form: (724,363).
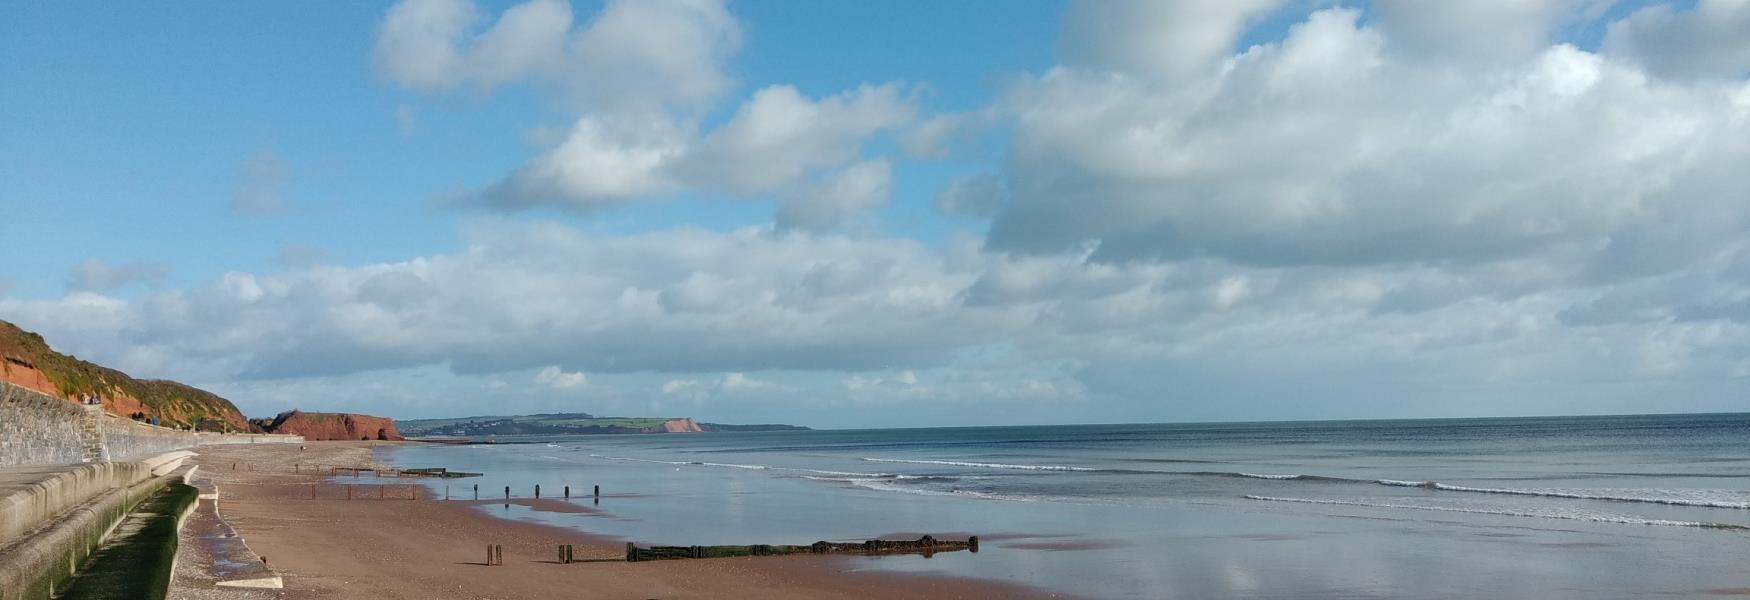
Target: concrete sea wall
(39,429)
(53,517)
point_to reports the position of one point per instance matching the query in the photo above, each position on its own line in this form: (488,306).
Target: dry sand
(425,548)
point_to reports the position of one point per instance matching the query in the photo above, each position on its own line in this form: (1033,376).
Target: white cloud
(1163,40)
(261,185)
(740,383)
(1329,149)
(553,376)
(675,386)
(1710,39)
(979,196)
(94,275)
(853,191)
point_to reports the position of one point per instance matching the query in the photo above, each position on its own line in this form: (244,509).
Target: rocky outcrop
(27,360)
(332,426)
(681,425)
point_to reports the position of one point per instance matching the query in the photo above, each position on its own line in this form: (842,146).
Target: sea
(1548,507)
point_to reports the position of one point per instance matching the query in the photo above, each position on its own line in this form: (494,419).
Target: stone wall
(38,429)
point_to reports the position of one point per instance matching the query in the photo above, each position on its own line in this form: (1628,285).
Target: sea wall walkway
(39,429)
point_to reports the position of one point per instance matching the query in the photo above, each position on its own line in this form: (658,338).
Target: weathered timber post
(598,491)
(382,492)
(476,491)
(972,543)
(498,553)
(631,552)
(562,555)
(296,467)
(446,492)
(312,491)
(568,492)
(537,491)
(489,555)
(507,493)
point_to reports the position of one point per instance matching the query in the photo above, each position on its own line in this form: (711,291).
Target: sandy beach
(393,540)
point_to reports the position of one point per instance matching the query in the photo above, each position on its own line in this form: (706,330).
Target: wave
(980,465)
(840,474)
(1694,498)
(1574,516)
(887,485)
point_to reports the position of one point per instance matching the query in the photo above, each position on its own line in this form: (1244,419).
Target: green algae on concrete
(136,561)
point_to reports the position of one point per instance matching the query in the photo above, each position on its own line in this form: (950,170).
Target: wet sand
(410,545)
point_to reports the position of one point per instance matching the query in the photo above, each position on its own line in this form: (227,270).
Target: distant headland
(569,424)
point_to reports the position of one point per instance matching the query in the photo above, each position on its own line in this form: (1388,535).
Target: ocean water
(1568,507)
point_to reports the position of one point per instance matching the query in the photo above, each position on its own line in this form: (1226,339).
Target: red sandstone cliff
(681,425)
(333,426)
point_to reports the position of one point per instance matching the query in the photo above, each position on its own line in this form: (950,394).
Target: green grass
(138,565)
(176,404)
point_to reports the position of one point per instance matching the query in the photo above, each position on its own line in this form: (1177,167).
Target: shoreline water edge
(376,537)
(1632,506)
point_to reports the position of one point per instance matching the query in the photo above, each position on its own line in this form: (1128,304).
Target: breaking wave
(1595,517)
(980,465)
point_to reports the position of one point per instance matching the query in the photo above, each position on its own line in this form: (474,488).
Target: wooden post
(349,491)
(972,543)
(476,491)
(446,492)
(498,553)
(507,493)
(312,491)
(568,492)
(631,552)
(296,467)
(537,491)
(413,492)
(489,555)
(598,491)
(382,492)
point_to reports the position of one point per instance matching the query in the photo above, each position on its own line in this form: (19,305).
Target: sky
(890,214)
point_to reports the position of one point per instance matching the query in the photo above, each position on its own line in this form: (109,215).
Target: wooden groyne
(926,546)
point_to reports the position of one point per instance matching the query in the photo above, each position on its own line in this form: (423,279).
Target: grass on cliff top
(174,403)
(136,563)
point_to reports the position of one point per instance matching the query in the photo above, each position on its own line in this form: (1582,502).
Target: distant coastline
(569,424)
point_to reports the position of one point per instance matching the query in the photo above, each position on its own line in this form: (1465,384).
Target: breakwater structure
(70,475)
(926,545)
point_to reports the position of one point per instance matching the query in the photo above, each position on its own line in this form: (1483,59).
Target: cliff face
(333,426)
(27,360)
(683,425)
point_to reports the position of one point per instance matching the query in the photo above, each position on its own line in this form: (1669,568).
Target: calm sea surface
(1578,507)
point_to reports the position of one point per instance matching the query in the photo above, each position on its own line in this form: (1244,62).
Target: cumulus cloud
(554,377)
(853,191)
(94,275)
(294,254)
(261,184)
(1710,39)
(640,76)
(1328,149)
(1163,40)
(979,196)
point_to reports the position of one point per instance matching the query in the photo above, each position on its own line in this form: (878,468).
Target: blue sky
(853,213)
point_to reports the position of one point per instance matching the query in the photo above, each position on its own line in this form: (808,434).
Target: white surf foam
(981,465)
(1696,498)
(1596,517)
